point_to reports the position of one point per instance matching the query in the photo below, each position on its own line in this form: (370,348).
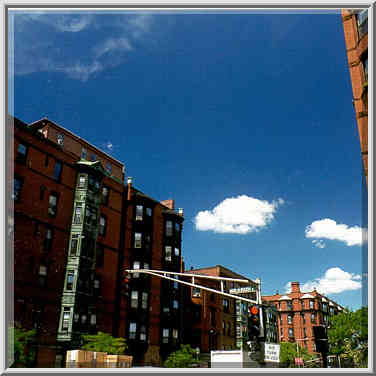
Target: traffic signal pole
(166,275)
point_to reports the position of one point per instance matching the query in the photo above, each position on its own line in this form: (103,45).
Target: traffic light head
(254,322)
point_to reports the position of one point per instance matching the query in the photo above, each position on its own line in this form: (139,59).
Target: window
(42,276)
(144,300)
(304,333)
(291,333)
(77,215)
(165,335)
(289,319)
(175,304)
(52,206)
(325,307)
(83,153)
(146,265)
(177,227)
(17,186)
(41,192)
(93,319)
(105,194)
(143,333)
(132,330)
(137,240)
(102,225)
(177,252)
(362,19)
(70,280)
(83,319)
(311,304)
(212,297)
(134,299)
(99,257)
(224,328)
(93,157)
(48,240)
(168,252)
(168,228)
(82,181)
(331,310)
(66,319)
(326,319)
(212,316)
(149,212)
(229,329)
(147,241)
(36,318)
(281,332)
(21,153)
(226,305)
(302,303)
(166,309)
(175,334)
(57,171)
(289,305)
(136,265)
(109,168)
(303,318)
(196,292)
(139,211)
(313,318)
(60,139)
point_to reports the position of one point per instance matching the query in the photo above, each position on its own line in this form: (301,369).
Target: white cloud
(329,229)
(238,215)
(112,45)
(58,42)
(334,281)
(318,243)
(109,146)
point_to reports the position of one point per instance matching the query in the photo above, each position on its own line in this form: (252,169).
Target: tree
(348,336)
(288,353)
(181,358)
(23,342)
(103,342)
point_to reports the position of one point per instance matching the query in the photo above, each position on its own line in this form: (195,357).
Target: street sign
(271,352)
(242,290)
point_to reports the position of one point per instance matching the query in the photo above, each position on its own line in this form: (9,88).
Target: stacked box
(85,359)
(119,361)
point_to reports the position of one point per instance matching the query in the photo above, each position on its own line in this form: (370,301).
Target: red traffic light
(253,310)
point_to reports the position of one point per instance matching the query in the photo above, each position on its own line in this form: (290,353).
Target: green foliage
(103,342)
(181,358)
(22,343)
(348,336)
(288,353)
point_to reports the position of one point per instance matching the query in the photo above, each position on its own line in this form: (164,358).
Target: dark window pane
(57,171)
(17,186)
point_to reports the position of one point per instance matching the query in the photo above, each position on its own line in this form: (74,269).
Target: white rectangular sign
(271,353)
(242,290)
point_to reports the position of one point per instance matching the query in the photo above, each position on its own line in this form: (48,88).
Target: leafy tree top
(103,342)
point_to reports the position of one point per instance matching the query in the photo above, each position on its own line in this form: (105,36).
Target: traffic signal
(127,277)
(321,339)
(254,322)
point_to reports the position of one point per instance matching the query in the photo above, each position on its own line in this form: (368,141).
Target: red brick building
(77,226)
(299,312)
(213,321)
(355,26)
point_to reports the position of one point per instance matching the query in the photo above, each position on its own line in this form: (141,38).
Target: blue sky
(246,120)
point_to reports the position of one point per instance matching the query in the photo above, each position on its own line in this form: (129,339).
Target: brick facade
(299,312)
(355,27)
(43,243)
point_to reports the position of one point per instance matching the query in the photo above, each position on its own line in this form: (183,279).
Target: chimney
(129,181)
(169,203)
(295,287)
